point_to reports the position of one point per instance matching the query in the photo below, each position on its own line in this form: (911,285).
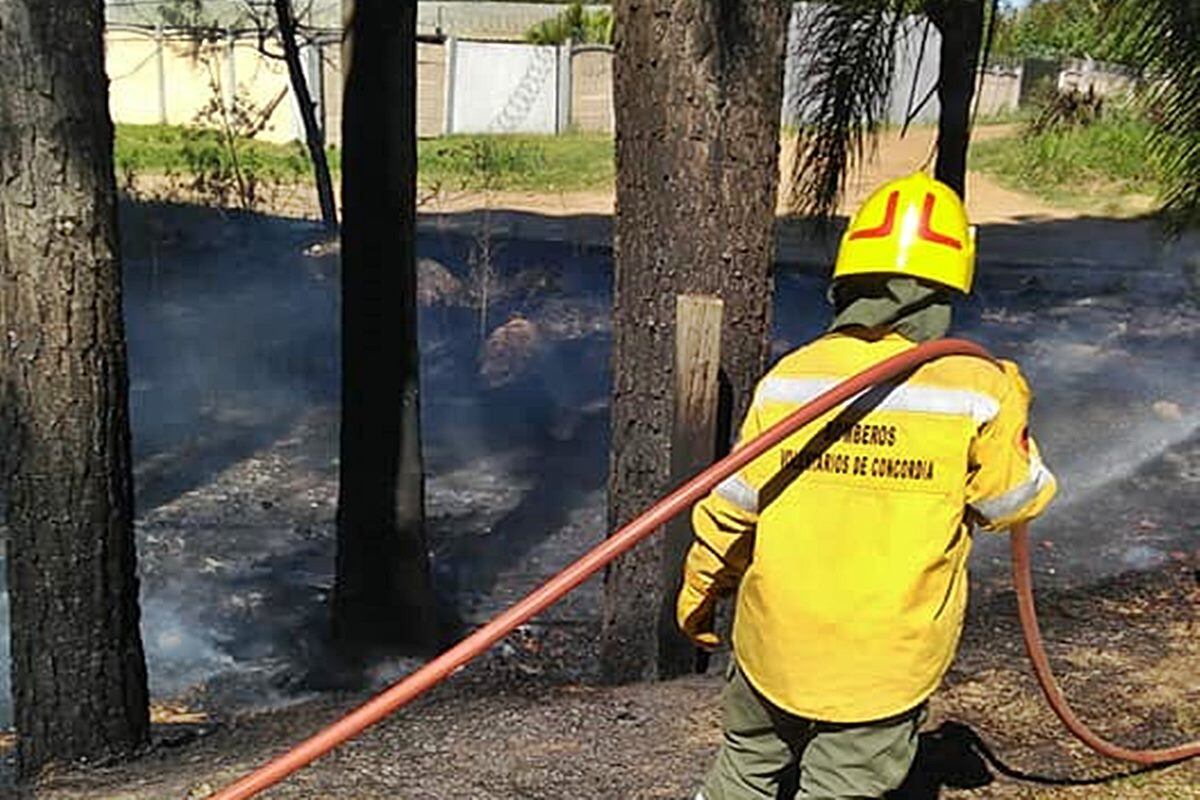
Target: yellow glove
(695,611)
(715,562)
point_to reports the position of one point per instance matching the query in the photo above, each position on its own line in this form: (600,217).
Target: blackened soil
(520,724)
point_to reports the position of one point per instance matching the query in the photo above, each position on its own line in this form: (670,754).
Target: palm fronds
(1163,36)
(576,24)
(843,72)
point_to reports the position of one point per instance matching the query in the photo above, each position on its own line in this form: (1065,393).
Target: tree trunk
(699,88)
(314,137)
(382,594)
(78,671)
(961,24)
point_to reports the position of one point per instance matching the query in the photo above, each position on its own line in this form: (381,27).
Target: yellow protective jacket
(848,542)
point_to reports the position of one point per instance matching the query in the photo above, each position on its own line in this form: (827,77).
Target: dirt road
(988,202)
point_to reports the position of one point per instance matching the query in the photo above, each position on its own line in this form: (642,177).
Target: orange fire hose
(678,501)
(1023,582)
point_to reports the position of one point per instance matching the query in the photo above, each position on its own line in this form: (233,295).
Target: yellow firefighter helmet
(913,226)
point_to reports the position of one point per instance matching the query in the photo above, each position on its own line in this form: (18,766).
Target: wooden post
(693,446)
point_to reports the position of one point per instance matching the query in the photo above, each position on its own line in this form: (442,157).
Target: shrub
(576,25)
(1084,162)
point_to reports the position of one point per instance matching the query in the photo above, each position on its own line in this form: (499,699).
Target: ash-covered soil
(233,345)
(521,723)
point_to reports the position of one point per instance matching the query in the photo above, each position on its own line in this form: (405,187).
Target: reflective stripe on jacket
(848,542)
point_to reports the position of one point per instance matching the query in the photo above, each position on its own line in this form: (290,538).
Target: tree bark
(960,23)
(78,670)
(314,137)
(382,594)
(699,88)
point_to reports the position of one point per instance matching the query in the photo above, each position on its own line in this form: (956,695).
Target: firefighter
(847,543)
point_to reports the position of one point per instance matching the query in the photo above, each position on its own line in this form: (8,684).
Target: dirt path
(988,202)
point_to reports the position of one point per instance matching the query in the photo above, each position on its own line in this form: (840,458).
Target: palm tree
(1163,38)
(846,76)
(849,66)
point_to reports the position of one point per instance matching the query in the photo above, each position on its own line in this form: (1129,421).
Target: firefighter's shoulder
(840,353)
(999,379)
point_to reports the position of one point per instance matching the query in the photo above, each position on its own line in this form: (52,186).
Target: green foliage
(574,24)
(1058,111)
(172,149)
(1164,37)
(532,163)
(516,162)
(1080,164)
(1062,29)
(197,17)
(1161,37)
(484,162)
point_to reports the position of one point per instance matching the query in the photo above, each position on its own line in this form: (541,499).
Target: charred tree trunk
(699,88)
(314,137)
(78,671)
(382,594)
(960,23)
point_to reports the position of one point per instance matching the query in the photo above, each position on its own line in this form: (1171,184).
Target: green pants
(835,761)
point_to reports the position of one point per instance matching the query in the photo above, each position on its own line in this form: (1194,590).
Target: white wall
(504,88)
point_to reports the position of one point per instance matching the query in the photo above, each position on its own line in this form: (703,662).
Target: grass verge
(499,162)
(1104,166)
(172,149)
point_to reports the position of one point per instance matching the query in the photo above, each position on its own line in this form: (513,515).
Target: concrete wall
(998,90)
(431,90)
(1106,80)
(915,80)
(459,18)
(591,90)
(134,67)
(331,68)
(170,80)
(499,87)
(1004,88)
(507,87)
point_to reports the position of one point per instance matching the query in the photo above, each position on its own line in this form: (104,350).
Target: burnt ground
(232,328)
(522,725)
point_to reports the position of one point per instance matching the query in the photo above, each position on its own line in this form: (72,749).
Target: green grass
(1098,165)
(162,149)
(510,162)
(518,162)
